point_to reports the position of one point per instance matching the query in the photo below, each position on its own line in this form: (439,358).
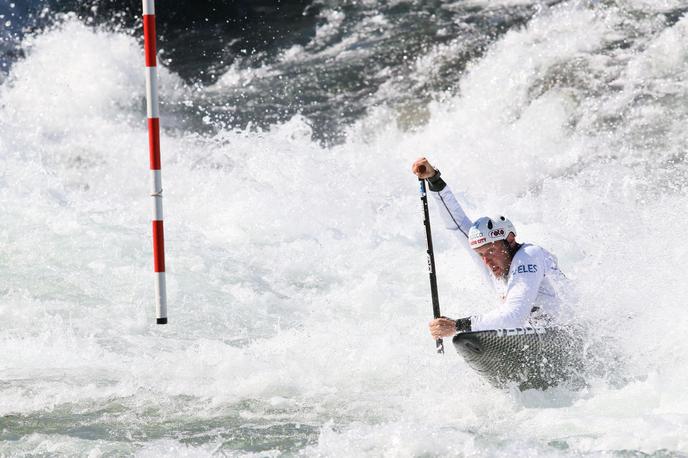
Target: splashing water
(297,286)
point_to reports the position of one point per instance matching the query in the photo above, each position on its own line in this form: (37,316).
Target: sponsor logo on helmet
(477,241)
(497,233)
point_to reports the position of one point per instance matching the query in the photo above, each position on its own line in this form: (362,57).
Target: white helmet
(487,230)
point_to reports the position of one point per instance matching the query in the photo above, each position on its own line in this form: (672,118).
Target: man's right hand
(422,168)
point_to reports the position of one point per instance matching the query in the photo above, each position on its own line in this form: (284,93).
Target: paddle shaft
(431,260)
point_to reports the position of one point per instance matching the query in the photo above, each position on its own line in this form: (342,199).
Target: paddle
(431,256)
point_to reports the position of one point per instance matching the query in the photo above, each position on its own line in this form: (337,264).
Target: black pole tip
(440,346)
(161,321)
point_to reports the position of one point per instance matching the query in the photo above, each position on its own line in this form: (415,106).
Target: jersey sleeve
(527,273)
(455,220)
(454,217)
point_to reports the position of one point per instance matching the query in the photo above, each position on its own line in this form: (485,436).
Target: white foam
(297,273)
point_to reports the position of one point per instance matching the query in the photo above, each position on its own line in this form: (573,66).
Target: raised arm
(454,217)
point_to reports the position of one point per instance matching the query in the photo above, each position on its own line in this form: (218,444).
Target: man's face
(496,257)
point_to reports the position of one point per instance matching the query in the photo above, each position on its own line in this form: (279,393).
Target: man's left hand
(442,327)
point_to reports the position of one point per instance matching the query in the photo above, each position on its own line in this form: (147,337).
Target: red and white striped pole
(149,38)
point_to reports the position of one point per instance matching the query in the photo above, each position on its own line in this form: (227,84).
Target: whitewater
(297,282)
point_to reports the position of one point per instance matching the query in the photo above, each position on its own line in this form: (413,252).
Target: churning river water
(298,292)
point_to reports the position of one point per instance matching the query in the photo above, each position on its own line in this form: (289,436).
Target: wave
(297,281)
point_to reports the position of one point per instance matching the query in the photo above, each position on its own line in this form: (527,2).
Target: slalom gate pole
(149,38)
(431,260)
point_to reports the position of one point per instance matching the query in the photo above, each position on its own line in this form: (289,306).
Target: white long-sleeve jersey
(528,295)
